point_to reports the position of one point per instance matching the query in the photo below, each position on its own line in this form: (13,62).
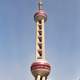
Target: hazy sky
(17,38)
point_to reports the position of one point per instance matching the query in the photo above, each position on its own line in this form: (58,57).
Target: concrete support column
(43,39)
(37,23)
(38,77)
(44,78)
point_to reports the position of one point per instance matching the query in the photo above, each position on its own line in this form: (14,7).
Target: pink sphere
(40,68)
(39,15)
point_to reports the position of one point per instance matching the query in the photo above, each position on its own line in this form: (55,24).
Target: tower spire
(40,4)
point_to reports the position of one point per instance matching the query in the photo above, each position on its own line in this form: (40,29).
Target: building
(40,68)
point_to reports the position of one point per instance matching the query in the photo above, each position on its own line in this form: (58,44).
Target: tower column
(41,77)
(43,39)
(38,77)
(37,23)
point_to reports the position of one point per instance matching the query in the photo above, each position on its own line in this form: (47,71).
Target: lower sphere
(40,68)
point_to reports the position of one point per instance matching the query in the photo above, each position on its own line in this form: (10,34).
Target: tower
(40,68)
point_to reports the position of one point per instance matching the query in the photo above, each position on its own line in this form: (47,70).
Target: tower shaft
(40,40)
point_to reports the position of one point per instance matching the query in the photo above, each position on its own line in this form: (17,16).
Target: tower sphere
(39,15)
(41,68)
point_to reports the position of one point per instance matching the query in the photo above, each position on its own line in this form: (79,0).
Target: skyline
(17,38)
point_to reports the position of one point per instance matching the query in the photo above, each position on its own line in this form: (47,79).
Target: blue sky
(17,38)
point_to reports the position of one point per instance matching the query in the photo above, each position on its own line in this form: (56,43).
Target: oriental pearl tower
(40,68)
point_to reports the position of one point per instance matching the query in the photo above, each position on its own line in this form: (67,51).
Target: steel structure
(40,68)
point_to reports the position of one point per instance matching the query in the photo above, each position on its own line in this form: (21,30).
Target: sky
(17,39)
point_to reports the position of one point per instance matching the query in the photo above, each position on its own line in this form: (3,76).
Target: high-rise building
(40,68)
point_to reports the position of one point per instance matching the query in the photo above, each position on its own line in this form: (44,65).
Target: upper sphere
(39,15)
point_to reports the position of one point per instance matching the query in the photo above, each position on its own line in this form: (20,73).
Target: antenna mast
(40,4)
